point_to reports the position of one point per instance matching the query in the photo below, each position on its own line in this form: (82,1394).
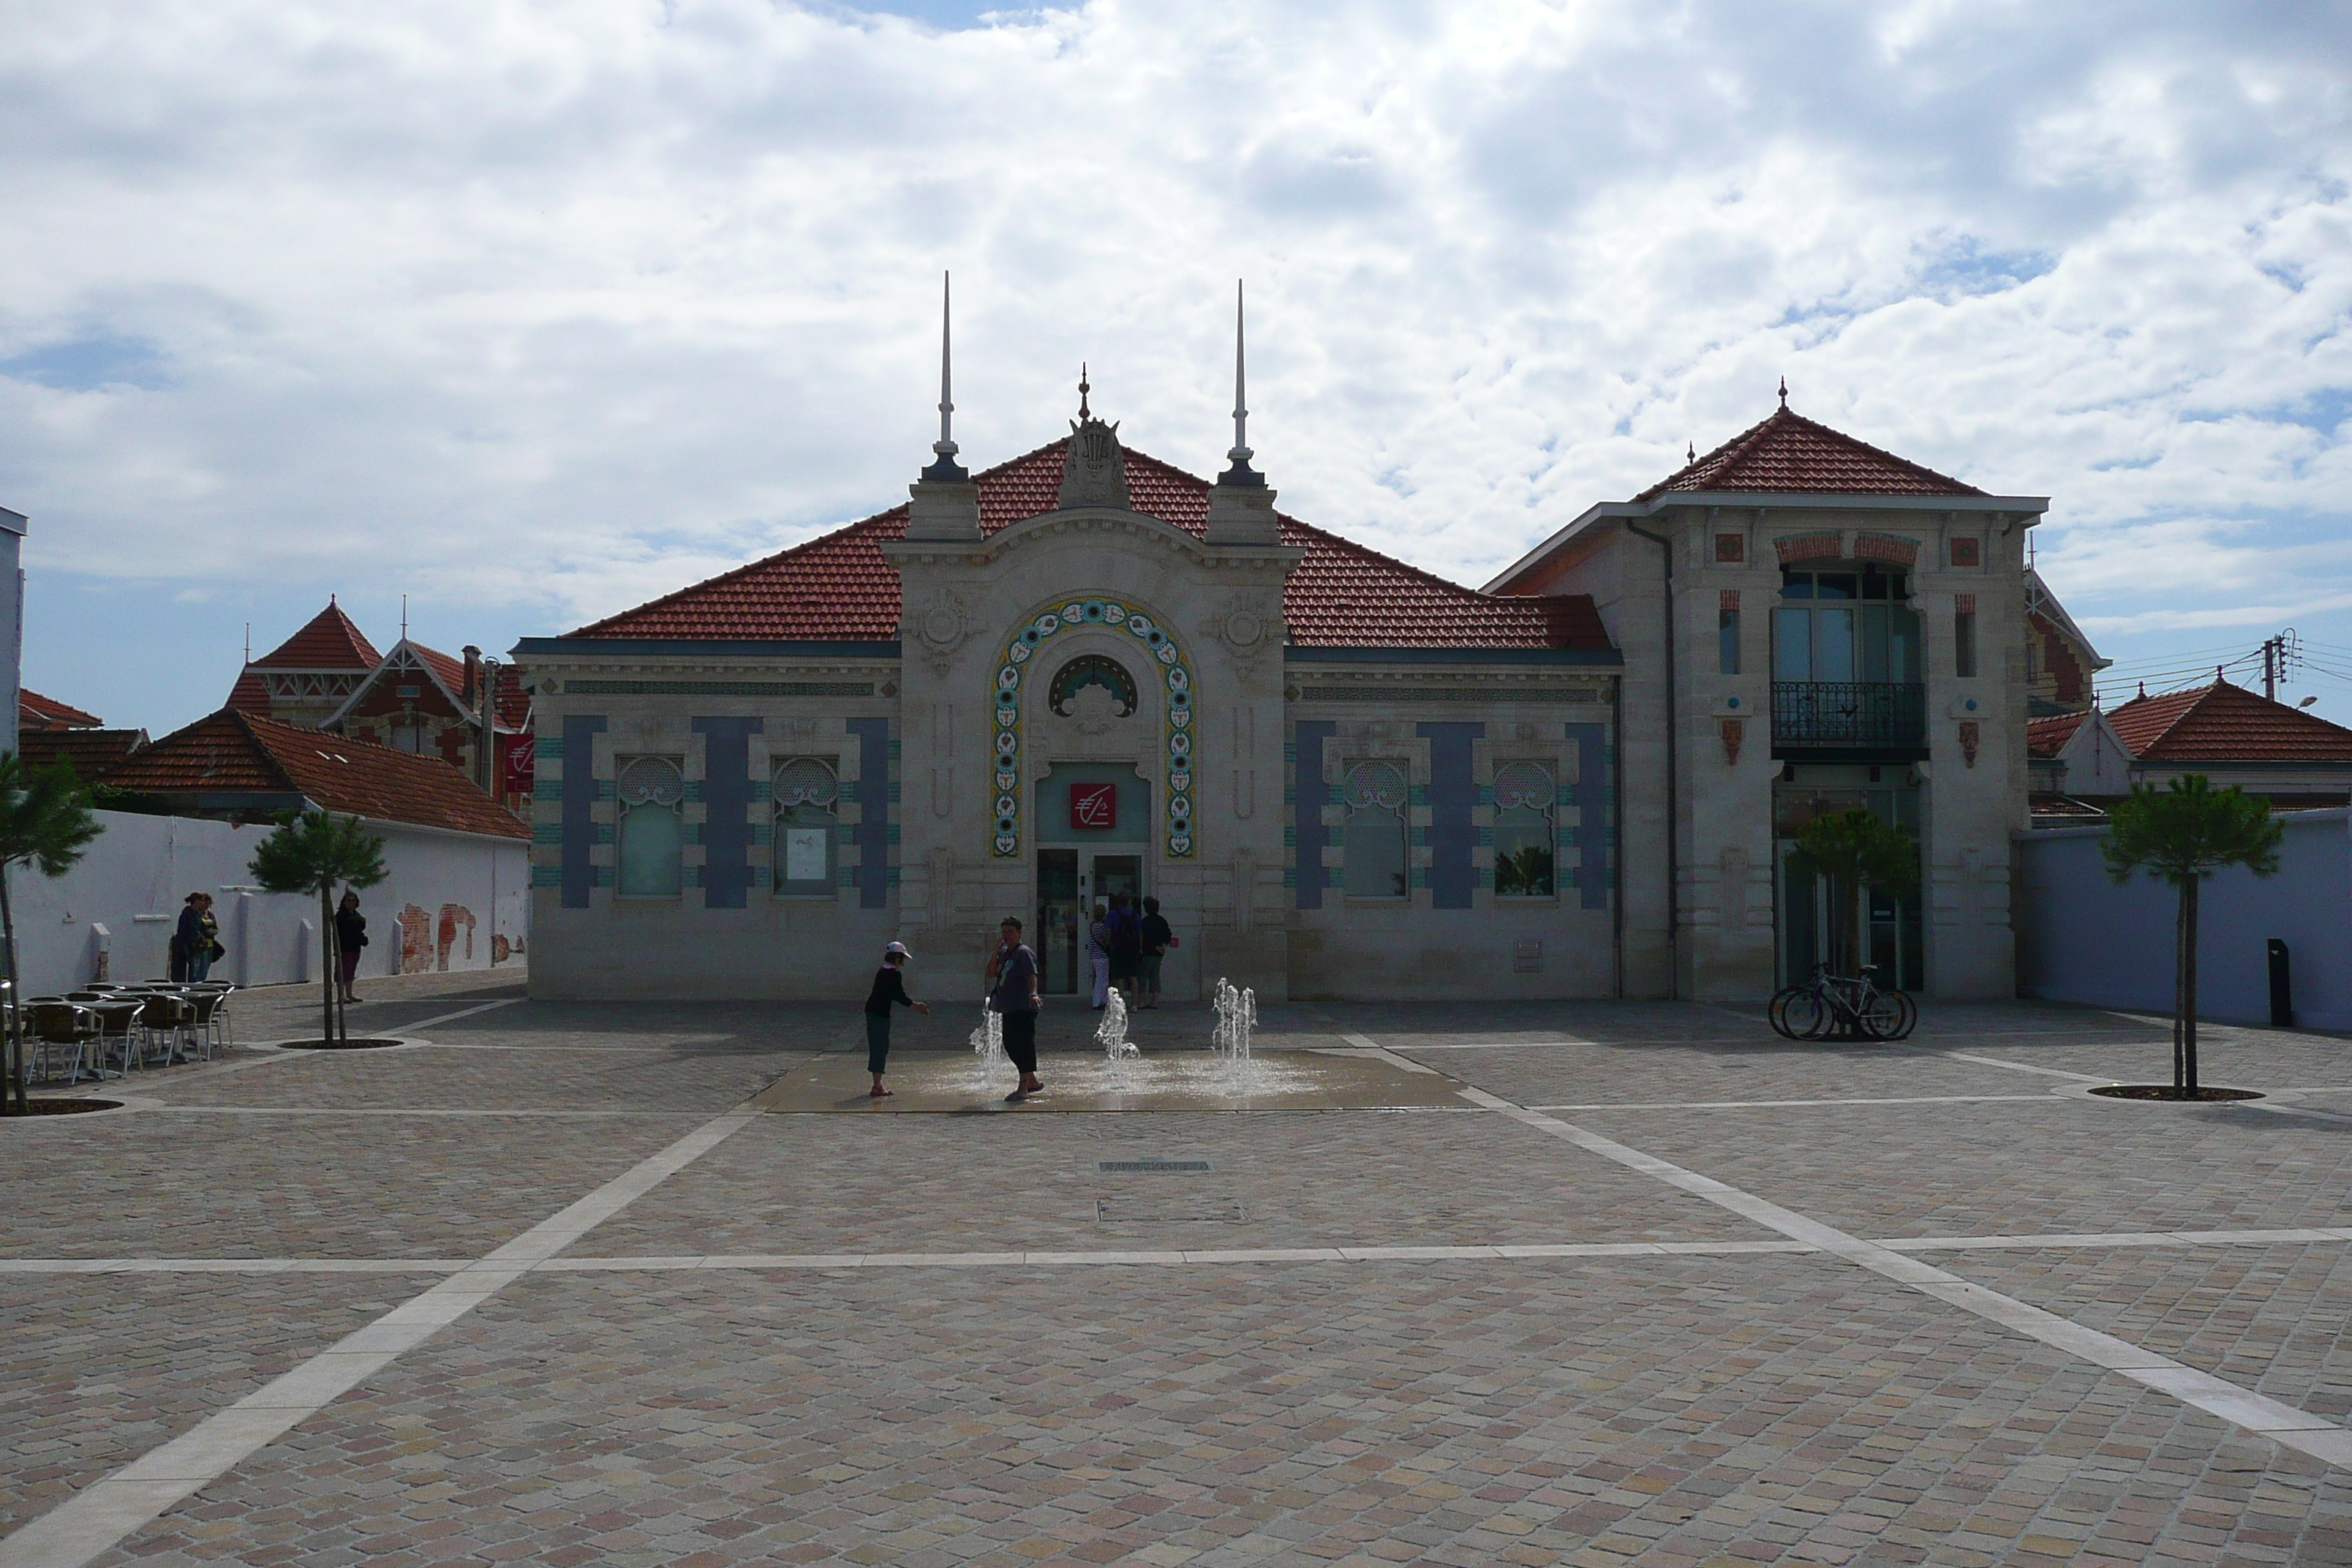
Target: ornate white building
(1083,672)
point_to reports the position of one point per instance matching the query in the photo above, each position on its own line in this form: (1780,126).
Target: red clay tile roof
(2226,723)
(250,695)
(330,642)
(236,753)
(513,699)
(1790,452)
(92,752)
(34,712)
(449,672)
(838,587)
(2048,737)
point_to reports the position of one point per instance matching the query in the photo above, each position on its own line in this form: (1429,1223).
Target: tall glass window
(1964,643)
(1726,640)
(1376,796)
(1525,838)
(650,796)
(1841,626)
(808,797)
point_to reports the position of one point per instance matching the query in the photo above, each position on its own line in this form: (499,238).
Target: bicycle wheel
(1808,1013)
(1776,1012)
(1881,1015)
(1910,1016)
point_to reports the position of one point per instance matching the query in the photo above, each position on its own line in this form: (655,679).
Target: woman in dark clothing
(889,991)
(187,937)
(1126,951)
(351,935)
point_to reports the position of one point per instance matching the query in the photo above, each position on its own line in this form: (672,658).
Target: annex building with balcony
(1809,623)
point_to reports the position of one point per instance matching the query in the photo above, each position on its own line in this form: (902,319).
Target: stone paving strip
(107,1512)
(1115,1257)
(2283,1424)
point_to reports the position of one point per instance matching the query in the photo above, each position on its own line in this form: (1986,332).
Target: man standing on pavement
(1153,938)
(1012,992)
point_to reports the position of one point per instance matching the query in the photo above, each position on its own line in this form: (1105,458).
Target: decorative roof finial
(1240,473)
(1784,392)
(2143,688)
(944,464)
(1690,453)
(1084,412)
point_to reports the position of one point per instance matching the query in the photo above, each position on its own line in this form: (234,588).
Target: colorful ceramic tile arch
(1159,643)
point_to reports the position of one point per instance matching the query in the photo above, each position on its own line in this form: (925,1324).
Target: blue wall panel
(726,819)
(579,734)
(872,834)
(1450,795)
(1589,796)
(1310,793)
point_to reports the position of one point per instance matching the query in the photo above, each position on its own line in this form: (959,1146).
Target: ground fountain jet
(1112,1030)
(1237,1019)
(988,1042)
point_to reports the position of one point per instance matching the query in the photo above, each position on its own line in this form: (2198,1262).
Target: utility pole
(2270,670)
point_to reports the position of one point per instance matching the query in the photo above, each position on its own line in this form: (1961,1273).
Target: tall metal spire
(943,451)
(1240,454)
(1084,412)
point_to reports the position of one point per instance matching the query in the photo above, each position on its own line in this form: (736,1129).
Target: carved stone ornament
(1093,711)
(1732,730)
(1969,738)
(941,622)
(1094,469)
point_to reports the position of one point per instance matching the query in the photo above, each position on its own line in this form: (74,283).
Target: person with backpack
(1154,937)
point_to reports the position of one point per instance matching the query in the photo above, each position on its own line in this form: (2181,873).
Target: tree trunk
(2179,978)
(327,953)
(14,1098)
(2189,968)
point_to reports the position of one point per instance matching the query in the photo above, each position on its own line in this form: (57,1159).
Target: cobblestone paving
(1668,1413)
(100,1369)
(1716,1408)
(818,1183)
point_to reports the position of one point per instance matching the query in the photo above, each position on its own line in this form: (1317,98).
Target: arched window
(1373,842)
(808,797)
(1092,670)
(1525,841)
(650,799)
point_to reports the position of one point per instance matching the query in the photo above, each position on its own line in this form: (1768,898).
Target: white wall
(125,896)
(2085,939)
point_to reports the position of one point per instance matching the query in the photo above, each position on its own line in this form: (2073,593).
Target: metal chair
(207,1018)
(57,1027)
(167,1019)
(117,1023)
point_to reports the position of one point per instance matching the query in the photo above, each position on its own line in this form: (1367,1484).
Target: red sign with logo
(1093,805)
(521,768)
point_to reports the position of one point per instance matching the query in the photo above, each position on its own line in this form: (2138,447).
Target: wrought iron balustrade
(1849,713)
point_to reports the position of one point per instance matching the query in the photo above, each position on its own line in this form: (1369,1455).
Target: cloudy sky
(532,310)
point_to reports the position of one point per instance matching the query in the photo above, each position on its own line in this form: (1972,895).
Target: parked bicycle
(1852,1006)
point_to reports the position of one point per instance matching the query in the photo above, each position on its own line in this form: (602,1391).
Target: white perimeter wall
(125,896)
(2083,939)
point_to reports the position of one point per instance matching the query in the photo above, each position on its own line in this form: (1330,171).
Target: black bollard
(2281,988)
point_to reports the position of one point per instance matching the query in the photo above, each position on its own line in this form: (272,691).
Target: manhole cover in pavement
(1150,1166)
(1138,1211)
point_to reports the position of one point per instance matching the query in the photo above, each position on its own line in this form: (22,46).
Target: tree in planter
(2182,834)
(312,851)
(44,821)
(1856,849)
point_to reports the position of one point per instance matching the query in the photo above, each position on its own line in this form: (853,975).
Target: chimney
(473,676)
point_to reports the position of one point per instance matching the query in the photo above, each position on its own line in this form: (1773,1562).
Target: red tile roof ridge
(2224,723)
(836,587)
(2048,735)
(1783,425)
(329,640)
(51,714)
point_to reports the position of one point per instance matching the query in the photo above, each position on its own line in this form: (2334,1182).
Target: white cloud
(543,311)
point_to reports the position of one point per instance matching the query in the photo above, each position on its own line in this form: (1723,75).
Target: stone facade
(1085,673)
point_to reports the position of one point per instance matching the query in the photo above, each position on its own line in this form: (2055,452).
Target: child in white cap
(889,991)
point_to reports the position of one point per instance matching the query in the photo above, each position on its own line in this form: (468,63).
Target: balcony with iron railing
(1849,715)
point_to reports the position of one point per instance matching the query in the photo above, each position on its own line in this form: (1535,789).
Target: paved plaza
(645,1284)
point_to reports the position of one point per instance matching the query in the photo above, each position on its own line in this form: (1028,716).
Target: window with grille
(649,795)
(808,811)
(1526,840)
(1377,798)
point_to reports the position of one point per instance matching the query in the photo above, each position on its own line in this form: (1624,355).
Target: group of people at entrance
(1125,947)
(1012,991)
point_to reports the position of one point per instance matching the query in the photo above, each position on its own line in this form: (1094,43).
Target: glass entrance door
(1058,921)
(1119,874)
(1892,928)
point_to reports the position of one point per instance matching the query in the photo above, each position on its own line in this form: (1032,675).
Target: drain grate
(1130,1211)
(1151,1165)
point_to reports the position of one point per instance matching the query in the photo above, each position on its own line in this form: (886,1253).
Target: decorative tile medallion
(1159,643)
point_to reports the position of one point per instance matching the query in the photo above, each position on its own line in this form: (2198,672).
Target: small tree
(312,851)
(44,821)
(2182,834)
(1855,850)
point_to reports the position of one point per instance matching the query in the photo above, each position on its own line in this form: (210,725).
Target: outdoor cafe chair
(117,1022)
(207,1016)
(60,1029)
(168,1020)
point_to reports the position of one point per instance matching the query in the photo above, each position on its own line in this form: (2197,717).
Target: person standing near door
(1126,948)
(1012,982)
(1153,938)
(1101,935)
(351,935)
